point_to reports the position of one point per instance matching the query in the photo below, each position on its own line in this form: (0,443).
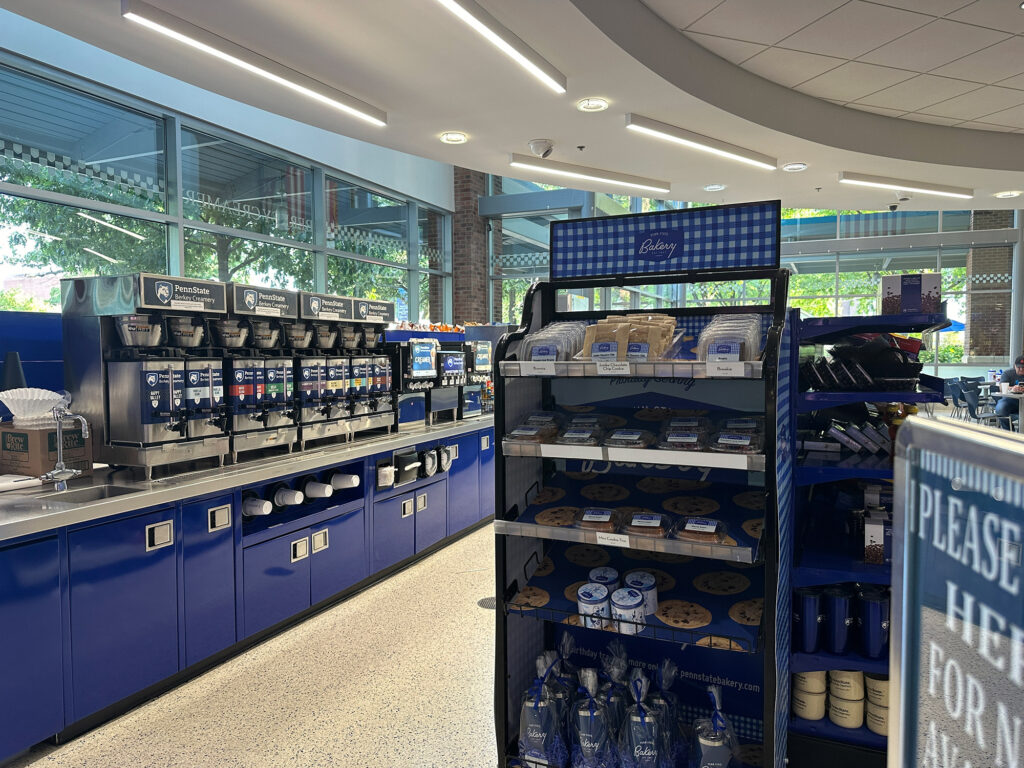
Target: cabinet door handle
(321,541)
(159,535)
(300,549)
(219,518)
(408,507)
(454,451)
(485,442)
(421,502)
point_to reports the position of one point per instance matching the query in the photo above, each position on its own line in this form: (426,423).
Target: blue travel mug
(874,622)
(807,619)
(839,619)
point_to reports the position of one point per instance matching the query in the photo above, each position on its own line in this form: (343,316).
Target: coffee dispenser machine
(478,373)
(135,366)
(260,369)
(444,399)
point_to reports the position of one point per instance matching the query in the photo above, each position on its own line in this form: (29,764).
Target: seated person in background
(1008,406)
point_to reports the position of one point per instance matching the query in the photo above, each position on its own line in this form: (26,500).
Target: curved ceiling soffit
(645,36)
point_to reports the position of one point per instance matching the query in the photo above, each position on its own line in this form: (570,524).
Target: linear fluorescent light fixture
(507,42)
(111,226)
(698,141)
(105,258)
(588,174)
(36,233)
(925,188)
(232,53)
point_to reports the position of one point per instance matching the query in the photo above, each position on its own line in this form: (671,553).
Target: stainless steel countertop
(41,509)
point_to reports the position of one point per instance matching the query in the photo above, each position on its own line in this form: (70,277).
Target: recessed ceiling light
(714,187)
(1010,192)
(592,104)
(232,53)
(794,167)
(925,188)
(454,137)
(674,133)
(507,42)
(111,226)
(588,174)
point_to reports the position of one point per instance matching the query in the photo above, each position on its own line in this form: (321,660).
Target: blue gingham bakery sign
(721,237)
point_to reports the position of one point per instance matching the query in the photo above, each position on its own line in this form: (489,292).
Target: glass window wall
(215,256)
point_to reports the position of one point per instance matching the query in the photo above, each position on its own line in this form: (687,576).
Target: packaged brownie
(689,424)
(734,442)
(575,434)
(702,529)
(741,424)
(533,433)
(629,438)
(544,418)
(598,519)
(652,524)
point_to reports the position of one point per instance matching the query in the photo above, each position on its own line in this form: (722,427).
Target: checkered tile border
(729,237)
(136,182)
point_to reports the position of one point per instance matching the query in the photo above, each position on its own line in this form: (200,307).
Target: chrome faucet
(60,474)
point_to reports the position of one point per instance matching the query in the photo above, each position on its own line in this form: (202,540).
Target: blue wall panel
(36,337)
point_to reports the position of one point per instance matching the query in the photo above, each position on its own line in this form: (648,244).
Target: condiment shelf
(813,662)
(687,614)
(667,369)
(826,729)
(754,462)
(821,566)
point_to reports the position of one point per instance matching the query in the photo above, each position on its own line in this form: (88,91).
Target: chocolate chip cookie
(683,614)
(747,612)
(721,582)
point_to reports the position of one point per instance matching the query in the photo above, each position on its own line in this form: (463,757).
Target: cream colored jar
(846,684)
(877,719)
(809,706)
(809,682)
(846,713)
(877,689)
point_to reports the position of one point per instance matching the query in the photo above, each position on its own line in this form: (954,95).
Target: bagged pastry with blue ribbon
(714,743)
(593,745)
(559,687)
(614,669)
(541,722)
(662,697)
(642,742)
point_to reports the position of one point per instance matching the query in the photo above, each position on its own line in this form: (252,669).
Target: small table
(1018,398)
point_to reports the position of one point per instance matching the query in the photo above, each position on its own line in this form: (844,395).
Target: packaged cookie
(744,424)
(598,519)
(629,438)
(703,529)
(602,420)
(653,524)
(542,737)
(531,433)
(580,435)
(544,418)
(681,440)
(732,442)
(689,423)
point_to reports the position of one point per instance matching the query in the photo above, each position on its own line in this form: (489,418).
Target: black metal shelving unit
(521,545)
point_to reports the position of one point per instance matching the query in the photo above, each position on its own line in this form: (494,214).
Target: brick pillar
(470,265)
(988,314)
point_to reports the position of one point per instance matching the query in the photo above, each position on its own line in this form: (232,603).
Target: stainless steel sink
(86,495)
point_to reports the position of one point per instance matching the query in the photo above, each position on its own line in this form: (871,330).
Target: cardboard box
(909,294)
(34,451)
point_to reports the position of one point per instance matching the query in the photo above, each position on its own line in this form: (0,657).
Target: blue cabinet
(208,583)
(464,484)
(338,555)
(393,533)
(124,608)
(275,577)
(431,514)
(486,438)
(31,707)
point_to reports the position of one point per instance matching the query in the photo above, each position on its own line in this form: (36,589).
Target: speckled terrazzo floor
(399,675)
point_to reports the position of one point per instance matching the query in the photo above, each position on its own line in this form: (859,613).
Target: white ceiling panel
(854,29)
(987,127)
(1000,61)
(979,103)
(931,7)
(731,50)
(878,110)
(1004,15)
(935,119)
(933,45)
(1013,82)
(681,14)
(917,93)
(762,22)
(1012,117)
(853,81)
(790,68)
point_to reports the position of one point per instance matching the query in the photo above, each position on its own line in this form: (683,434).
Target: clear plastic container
(598,519)
(629,438)
(682,440)
(654,525)
(734,442)
(533,433)
(701,529)
(576,434)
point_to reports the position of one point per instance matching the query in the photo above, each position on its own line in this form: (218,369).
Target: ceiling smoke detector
(542,147)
